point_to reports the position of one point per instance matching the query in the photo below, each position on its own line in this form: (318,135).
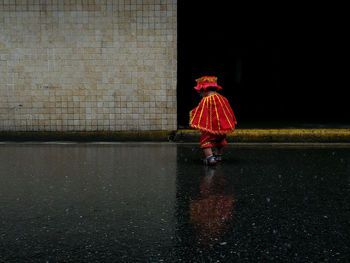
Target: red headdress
(205,82)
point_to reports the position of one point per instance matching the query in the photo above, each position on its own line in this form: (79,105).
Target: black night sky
(275,63)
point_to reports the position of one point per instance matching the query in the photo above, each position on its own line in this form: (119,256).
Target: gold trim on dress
(225,112)
(207,79)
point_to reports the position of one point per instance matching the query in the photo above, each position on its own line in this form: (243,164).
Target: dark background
(281,65)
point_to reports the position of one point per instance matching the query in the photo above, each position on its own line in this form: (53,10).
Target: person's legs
(219,150)
(208,152)
(219,146)
(218,153)
(206,146)
(209,157)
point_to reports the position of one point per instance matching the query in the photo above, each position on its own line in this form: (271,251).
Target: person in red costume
(214,117)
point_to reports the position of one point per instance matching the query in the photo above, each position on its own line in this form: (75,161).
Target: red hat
(205,82)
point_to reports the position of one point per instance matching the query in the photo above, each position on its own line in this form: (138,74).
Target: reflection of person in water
(211,215)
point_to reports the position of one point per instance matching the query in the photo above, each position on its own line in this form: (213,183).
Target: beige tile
(86,65)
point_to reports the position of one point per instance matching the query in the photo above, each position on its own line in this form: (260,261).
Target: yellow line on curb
(280,135)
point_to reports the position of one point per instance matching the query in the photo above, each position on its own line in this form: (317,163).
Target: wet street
(156,202)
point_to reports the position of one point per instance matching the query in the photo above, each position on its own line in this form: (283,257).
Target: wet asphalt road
(158,203)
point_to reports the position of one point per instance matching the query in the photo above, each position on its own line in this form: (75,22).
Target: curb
(274,135)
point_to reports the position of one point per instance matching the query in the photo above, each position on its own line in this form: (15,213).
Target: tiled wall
(88,65)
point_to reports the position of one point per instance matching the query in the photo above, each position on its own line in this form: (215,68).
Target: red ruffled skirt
(213,114)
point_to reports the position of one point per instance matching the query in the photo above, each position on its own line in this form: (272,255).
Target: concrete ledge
(87,136)
(274,135)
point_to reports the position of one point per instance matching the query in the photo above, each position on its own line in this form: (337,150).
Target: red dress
(214,115)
